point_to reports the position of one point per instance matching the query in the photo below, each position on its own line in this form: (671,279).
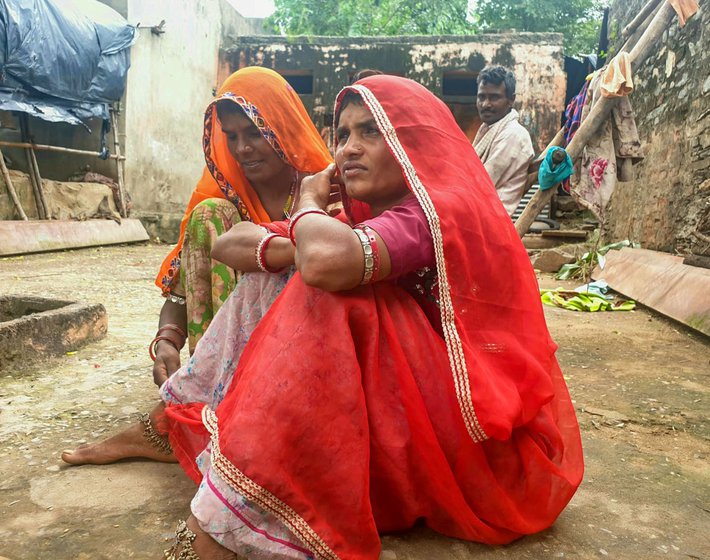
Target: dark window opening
(300,80)
(459,84)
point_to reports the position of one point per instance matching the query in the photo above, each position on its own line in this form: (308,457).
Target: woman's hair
(365,73)
(350,98)
(227,107)
(497,75)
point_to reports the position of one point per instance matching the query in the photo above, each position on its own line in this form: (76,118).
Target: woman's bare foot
(202,544)
(128,444)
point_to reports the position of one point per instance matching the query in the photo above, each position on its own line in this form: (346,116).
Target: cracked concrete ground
(639,382)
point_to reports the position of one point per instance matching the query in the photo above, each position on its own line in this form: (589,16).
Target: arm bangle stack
(370,251)
(298,215)
(260,253)
(160,336)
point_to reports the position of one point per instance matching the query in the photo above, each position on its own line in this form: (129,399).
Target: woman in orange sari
(232,189)
(405,373)
(259,143)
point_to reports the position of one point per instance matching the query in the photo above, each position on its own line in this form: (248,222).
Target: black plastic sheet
(62,60)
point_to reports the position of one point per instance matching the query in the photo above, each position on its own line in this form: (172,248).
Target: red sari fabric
(350,415)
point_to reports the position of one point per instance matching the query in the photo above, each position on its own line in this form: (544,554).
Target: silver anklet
(161,443)
(182,549)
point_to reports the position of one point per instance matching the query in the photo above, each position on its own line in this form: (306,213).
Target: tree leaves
(578,20)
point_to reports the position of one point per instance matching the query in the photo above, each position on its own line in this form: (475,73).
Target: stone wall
(667,206)
(319,66)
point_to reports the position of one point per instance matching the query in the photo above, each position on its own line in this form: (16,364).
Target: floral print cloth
(207,282)
(234,521)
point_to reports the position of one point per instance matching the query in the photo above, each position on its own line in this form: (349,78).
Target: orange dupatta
(275,108)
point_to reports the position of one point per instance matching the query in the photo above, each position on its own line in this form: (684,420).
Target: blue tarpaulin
(62,60)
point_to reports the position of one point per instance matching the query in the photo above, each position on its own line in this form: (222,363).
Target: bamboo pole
(120,165)
(35,167)
(35,181)
(646,11)
(60,149)
(11,188)
(598,114)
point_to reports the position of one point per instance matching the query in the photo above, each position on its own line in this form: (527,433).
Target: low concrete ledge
(33,328)
(35,236)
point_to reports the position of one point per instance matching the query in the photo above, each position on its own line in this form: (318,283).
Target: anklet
(161,443)
(184,538)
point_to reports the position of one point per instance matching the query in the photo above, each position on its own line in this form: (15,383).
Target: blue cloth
(551,174)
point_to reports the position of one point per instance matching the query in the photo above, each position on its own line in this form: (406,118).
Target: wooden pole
(646,11)
(11,188)
(120,165)
(60,149)
(598,114)
(35,181)
(35,167)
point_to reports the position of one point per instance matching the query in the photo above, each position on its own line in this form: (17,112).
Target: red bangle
(172,327)
(260,253)
(298,215)
(154,342)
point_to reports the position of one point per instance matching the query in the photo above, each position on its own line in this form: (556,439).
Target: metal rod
(120,166)
(35,181)
(61,149)
(11,188)
(598,114)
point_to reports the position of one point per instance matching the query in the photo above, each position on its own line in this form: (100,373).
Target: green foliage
(371,17)
(588,262)
(578,20)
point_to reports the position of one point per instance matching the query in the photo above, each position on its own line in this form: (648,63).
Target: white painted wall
(170,83)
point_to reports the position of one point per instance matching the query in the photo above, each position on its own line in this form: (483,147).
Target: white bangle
(298,215)
(261,249)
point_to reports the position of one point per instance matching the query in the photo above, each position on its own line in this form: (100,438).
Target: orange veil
(275,108)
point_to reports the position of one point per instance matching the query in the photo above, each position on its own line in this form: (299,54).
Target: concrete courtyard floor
(639,382)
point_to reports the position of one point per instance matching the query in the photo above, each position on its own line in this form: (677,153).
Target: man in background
(502,143)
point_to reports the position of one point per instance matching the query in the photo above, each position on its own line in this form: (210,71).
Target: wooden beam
(599,113)
(646,11)
(120,166)
(11,188)
(60,149)
(35,180)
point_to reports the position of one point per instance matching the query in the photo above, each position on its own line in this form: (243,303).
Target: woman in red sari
(405,373)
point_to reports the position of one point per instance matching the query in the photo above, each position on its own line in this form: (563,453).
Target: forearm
(239,251)
(328,253)
(173,314)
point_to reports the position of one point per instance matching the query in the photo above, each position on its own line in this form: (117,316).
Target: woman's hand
(167,362)
(318,190)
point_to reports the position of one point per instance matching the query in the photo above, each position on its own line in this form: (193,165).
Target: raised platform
(35,236)
(33,327)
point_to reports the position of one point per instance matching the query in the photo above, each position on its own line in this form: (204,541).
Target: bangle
(172,327)
(176,299)
(154,343)
(375,250)
(260,253)
(370,252)
(298,215)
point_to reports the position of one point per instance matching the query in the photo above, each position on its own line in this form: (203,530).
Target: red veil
(349,414)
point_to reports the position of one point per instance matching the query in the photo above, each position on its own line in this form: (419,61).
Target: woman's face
(260,163)
(369,171)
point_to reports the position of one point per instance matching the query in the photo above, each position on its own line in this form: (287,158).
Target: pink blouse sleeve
(405,231)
